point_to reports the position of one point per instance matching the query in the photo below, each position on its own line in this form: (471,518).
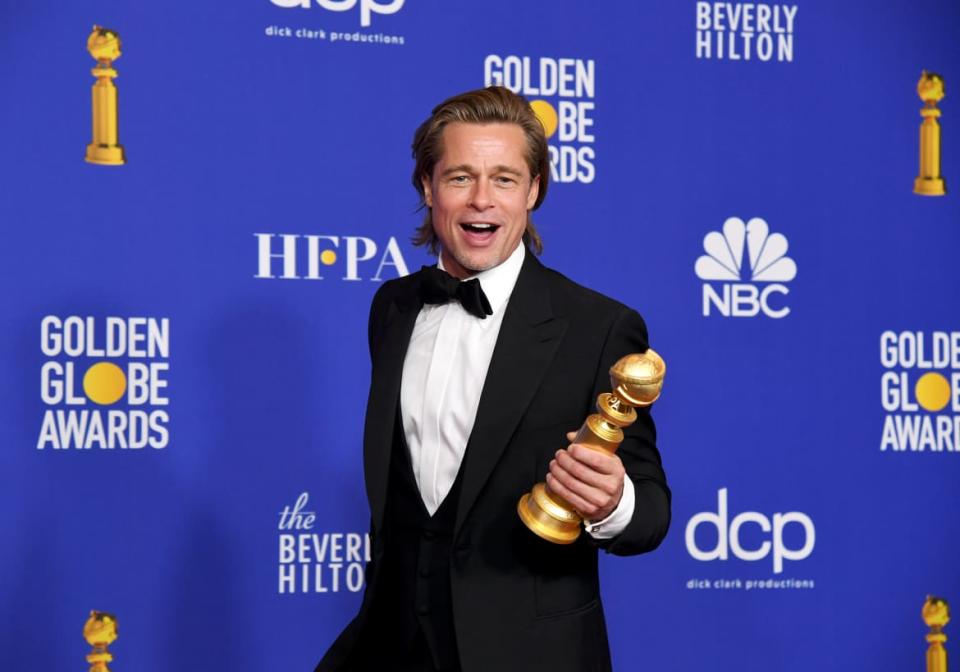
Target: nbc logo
(752,266)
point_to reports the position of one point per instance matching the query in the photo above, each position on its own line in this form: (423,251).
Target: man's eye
(505,180)
(459,179)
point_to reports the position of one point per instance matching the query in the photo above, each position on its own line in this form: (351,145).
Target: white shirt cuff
(618,520)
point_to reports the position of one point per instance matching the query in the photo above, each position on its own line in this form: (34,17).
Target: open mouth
(479,227)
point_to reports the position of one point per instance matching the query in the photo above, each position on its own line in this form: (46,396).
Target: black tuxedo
(517,602)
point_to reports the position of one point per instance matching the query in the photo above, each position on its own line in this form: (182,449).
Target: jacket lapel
(384,397)
(528,340)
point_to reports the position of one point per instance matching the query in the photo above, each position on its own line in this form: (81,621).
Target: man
(475,386)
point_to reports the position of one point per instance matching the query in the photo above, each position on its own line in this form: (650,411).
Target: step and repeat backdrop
(184,351)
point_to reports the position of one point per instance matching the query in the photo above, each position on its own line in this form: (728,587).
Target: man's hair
(492,105)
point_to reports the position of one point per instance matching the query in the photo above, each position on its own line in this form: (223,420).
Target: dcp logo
(768,267)
(728,535)
(367,7)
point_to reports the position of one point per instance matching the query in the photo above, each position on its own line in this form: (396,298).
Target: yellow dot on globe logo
(546,114)
(933,391)
(104,383)
(328,257)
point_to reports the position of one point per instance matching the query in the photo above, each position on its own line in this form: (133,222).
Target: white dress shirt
(443,375)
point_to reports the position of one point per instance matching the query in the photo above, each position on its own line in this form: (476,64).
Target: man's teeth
(479,227)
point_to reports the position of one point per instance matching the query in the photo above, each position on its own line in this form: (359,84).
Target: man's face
(479,195)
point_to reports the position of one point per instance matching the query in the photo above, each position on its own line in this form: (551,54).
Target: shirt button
(428,535)
(423,610)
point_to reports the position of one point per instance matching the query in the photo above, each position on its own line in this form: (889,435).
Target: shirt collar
(498,282)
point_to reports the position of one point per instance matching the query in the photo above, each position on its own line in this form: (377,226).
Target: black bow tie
(437,286)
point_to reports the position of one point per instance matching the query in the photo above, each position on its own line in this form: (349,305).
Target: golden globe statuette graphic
(936,614)
(636,380)
(930,88)
(100,631)
(105,150)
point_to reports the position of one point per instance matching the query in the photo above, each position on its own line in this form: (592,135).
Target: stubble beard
(465,265)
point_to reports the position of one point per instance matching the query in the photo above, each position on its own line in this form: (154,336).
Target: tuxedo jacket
(519,602)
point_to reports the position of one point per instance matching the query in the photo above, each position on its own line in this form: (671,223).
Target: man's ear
(534,192)
(427,193)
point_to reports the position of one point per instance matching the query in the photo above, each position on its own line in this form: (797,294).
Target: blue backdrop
(810,421)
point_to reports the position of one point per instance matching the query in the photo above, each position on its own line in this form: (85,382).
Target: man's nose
(480,198)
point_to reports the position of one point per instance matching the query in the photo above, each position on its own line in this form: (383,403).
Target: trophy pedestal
(105,155)
(105,148)
(929,181)
(100,631)
(936,614)
(547,518)
(929,186)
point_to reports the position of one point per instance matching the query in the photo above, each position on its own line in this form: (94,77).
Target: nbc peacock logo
(744,269)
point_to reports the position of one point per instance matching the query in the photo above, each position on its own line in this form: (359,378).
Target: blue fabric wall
(795,395)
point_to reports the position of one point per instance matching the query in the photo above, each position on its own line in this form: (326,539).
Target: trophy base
(547,518)
(105,155)
(929,186)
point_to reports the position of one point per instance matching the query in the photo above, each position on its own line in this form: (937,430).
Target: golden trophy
(930,88)
(100,631)
(105,150)
(636,380)
(936,614)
